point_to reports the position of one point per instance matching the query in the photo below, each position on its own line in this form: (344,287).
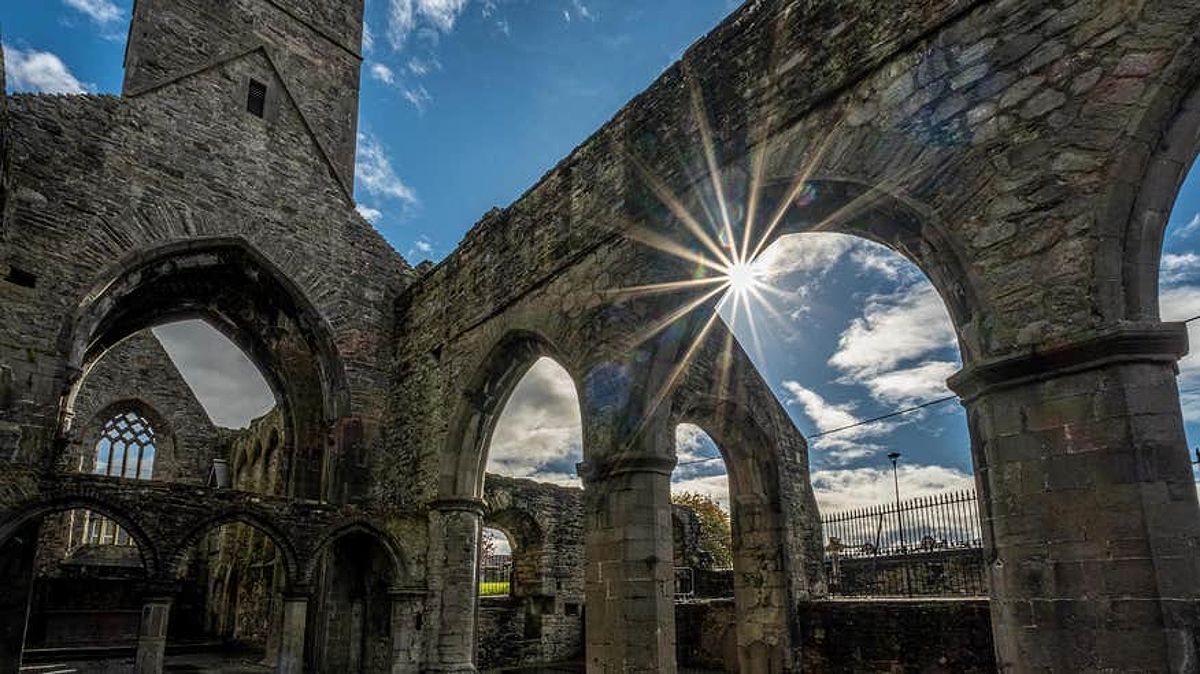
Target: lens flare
(742,277)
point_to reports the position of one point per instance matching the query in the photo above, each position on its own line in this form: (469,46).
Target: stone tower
(313,45)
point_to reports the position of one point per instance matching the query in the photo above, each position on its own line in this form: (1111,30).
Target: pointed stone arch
(482,400)
(236,289)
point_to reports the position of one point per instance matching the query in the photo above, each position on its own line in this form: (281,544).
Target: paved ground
(197,663)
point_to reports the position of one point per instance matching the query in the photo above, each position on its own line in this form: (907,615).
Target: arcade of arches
(1024,155)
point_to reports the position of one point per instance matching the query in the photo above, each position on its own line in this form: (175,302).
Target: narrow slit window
(256,98)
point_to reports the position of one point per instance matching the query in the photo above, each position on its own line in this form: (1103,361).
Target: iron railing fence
(925,546)
(948,521)
(495,581)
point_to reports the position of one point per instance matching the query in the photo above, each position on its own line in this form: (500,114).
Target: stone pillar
(407,605)
(291,638)
(455,528)
(630,581)
(1088,504)
(152,635)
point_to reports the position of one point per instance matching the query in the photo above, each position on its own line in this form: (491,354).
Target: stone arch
(395,551)
(772,552)
(482,400)
(527,538)
(17,517)
(1177,145)
(236,289)
(259,521)
(88,435)
(837,204)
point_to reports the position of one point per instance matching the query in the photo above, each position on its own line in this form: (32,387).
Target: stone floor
(196,663)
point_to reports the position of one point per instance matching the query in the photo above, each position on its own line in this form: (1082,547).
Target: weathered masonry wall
(920,635)
(140,372)
(1023,154)
(542,619)
(125,153)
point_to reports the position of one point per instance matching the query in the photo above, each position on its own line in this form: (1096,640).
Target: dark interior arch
(239,292)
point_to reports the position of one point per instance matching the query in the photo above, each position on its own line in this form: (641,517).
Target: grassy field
(492,589)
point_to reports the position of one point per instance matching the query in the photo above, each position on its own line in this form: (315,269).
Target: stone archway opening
(228,600)
(530,566)
(1179,296)
(244,302)
(353,617)
(55,552)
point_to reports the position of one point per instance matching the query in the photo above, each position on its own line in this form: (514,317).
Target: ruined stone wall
(316,45)
(943,104)
(541,621)
(853,636)
(97,179)
(255,455)
(139,370)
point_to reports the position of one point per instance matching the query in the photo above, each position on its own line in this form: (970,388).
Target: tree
(716,534)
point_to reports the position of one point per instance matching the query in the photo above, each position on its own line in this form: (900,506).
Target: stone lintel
(473,505)
(599,470)
(1155,342)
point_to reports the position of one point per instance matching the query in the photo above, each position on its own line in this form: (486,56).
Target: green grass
(492,589)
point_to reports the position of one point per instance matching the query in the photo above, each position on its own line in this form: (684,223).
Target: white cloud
(1174,269)
(1179,304)
(39,72)
(418,96)
(874,257)
(844,489)
(420,67)
(100,11)
(716,486)
(895,328)
(371,215)
(382,73)
(424,246)
(500,544)
(404,16)
(368,37)
(914,385)
(539,434)
(827,416)
(1191,226)
(374,172)
(693,444)
(803,253)
(578,11)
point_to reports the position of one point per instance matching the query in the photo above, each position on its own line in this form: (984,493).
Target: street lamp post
(895,456)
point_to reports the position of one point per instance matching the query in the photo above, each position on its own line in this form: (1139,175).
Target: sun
(742,277)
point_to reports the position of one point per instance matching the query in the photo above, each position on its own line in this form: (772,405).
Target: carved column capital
(1121,344)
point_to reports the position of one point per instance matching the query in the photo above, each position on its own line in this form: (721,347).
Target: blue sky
(466,103)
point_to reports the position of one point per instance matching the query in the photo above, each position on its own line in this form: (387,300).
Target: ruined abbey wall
(1023,154)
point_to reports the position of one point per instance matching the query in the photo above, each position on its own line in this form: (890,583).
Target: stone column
(455,528)
(1088,504)
(630,581)
(407,605)
(291,638)
(152,635)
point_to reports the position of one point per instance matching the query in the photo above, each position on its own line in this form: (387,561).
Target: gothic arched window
(126,447)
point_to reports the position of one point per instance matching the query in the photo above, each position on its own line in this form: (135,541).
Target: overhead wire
(889,415)
(864,422)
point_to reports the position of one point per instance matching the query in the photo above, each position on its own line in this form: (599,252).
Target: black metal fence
(926,546)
